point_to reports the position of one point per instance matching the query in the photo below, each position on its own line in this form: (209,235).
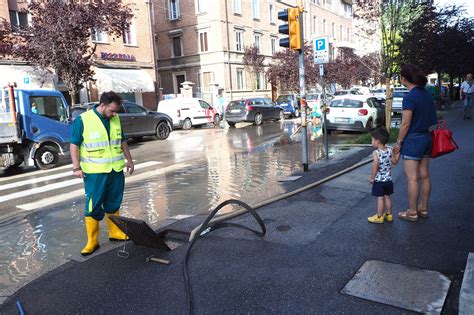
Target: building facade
(125,64)
(203,42)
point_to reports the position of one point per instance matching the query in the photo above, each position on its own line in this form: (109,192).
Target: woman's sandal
(407,216)
(423,213)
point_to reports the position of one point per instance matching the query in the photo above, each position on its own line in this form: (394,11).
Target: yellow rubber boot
(115,234)
(92,230)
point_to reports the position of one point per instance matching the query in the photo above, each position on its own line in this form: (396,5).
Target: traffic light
(292,29)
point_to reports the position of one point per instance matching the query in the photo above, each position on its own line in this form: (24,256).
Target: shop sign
(115,56)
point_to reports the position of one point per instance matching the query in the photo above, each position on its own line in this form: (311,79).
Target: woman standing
(414,141)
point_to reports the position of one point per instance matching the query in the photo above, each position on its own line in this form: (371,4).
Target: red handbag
(443,142)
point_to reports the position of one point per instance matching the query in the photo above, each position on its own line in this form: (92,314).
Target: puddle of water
(241,168)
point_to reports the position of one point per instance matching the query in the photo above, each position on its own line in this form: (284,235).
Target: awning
(26,77)
(123,80)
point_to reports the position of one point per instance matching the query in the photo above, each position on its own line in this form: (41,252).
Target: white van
(188,112)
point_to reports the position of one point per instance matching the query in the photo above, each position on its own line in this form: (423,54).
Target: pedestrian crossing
(42,194)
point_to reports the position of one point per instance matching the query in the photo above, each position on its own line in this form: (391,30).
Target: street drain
(283,228)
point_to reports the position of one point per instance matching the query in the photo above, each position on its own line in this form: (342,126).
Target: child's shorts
(380,189)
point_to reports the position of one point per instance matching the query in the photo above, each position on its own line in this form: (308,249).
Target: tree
(393,17)
(60,33)
(284,70)
(349,69)
(6,39)
(254,64)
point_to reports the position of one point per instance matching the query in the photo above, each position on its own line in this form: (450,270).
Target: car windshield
(284,98)
(340,93)
(346,103)
(312,97)
(399,94)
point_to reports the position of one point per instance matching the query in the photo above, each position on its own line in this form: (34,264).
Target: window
(177,46)
(271,10)
(173,9)
(240,79)
(324,27)
(203,42)
(98,36)
(333,30)
(18,20)
(256,9)
(257,40)
(201,6)
(204,105)
(237,6)
(347,9)
(315,23)
(259,81)
(129,33)
(273,41)
(207,79)
(134,109)
(340,32)
(49,106)
(239,44)
(348,35)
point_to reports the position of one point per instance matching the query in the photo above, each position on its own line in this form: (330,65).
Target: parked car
(290,104)
(360,90)
(355,112)
(188,112)
(136,120)
(379,94)
(254,110)
(398,101)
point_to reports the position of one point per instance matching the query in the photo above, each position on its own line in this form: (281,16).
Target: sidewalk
(316,241)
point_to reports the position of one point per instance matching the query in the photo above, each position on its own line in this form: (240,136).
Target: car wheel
(296,114)
(187,124)
(46,157)
(258,119)
(231,124)
(369,125)
(217,120)
(282,116)
(162,130)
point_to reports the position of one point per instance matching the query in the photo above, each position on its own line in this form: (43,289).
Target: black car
(254,110)
(136,120)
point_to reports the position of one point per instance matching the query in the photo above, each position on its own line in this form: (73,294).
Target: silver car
(398,101)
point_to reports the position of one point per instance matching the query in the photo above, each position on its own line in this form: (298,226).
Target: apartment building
(203,41)
(331,18)
(125,65)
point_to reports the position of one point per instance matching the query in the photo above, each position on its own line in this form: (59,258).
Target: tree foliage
(253,63)
(284,70)
(60,33)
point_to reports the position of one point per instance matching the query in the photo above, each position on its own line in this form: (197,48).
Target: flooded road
(41,213)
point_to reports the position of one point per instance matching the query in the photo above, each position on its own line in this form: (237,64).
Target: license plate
(342,120)
(235,111)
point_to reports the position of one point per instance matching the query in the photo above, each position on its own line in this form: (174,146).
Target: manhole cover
(283,228)
(414,289)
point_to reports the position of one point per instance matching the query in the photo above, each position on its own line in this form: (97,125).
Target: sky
(468,5)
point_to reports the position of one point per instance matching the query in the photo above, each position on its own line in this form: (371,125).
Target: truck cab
(37,125)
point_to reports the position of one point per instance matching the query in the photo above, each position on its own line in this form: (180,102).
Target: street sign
(321,50)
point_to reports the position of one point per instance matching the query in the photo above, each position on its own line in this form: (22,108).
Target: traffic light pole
(304,132)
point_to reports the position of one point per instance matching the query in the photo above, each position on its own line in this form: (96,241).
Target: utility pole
(321,56)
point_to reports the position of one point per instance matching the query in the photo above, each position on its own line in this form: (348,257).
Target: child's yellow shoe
(376,219)
(388,217)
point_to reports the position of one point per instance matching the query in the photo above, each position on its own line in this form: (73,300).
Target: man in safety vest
(98,153)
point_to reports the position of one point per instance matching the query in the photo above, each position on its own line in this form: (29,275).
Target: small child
(381,178)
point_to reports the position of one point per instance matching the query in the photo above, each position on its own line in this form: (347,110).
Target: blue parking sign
(26,80)
(320,44)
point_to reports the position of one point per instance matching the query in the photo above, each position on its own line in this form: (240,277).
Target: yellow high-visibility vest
(97,153)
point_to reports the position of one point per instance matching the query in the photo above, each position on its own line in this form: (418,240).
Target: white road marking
(56,176)
(67,183)
(80,192)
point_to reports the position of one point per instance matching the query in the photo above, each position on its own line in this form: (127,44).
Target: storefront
(135,85)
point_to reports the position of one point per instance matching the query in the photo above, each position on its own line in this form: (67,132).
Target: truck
(35,127)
